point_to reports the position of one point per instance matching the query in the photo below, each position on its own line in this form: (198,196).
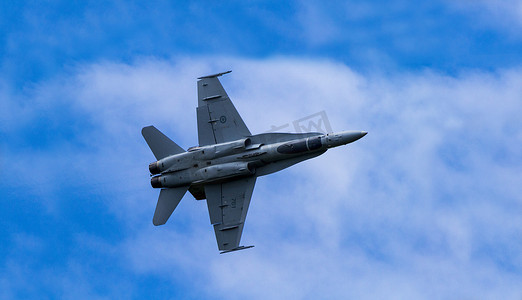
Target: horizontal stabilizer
(159,143)
(167,202)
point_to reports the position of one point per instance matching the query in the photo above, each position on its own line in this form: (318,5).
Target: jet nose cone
(343,137)
(352,136)
(359,135)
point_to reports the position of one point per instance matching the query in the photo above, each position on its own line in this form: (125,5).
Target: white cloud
(318,28)
(425,206)
(496,13)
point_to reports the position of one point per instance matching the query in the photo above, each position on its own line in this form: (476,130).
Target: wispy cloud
(504,14)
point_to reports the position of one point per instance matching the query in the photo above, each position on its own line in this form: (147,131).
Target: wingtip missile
(215,75)
(236,249)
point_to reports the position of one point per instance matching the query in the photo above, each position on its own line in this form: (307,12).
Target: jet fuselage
(219,162)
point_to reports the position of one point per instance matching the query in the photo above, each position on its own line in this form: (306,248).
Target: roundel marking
(222,119)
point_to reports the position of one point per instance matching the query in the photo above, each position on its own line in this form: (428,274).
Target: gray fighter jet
(224,167)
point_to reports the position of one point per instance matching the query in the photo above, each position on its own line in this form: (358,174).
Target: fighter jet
(224,167)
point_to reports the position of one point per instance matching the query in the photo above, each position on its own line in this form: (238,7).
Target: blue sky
(427,205)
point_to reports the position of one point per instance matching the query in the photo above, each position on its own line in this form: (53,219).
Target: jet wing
(227,206)
(218,119)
